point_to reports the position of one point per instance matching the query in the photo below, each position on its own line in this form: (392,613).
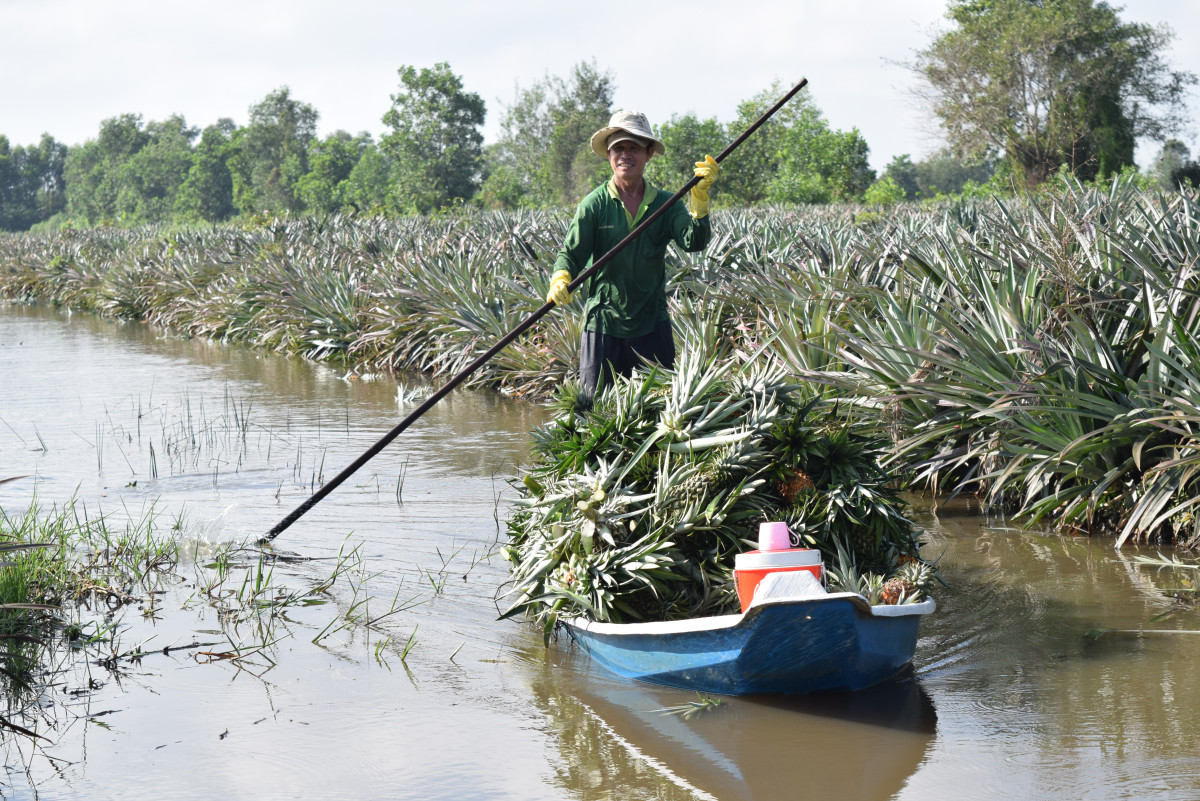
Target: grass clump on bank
(63,578)
(635,509)
(62,556)
(80,597)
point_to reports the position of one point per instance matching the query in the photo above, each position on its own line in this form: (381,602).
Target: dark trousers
(600,355)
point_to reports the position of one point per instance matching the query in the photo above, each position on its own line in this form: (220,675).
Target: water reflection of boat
(862,745)
(794,638)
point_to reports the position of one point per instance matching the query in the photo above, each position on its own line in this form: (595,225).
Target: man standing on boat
(625,314)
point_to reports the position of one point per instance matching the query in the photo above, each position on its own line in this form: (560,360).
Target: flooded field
(1033,680)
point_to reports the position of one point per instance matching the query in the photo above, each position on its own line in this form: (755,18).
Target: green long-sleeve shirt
(628,297)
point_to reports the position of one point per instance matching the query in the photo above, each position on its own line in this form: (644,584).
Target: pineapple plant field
(1039,352)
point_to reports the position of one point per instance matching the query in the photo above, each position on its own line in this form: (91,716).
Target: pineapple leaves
(635,509)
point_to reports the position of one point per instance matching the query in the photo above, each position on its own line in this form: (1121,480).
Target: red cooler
(749,568)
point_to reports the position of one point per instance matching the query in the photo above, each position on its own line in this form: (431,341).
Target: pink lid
(774,537)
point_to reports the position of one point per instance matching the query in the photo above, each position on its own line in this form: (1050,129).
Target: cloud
(69,64)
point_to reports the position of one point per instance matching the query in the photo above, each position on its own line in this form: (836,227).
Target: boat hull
(783,645)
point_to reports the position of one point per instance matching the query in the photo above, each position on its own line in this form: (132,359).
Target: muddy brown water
(1008,697)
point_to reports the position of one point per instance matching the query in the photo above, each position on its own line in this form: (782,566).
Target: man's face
(628,159)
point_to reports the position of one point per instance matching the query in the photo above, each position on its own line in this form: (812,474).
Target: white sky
(68,64)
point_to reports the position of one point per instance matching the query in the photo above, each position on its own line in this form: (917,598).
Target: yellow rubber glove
(706,171)
(558,294)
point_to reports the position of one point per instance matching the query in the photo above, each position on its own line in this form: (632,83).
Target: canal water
(1053,668)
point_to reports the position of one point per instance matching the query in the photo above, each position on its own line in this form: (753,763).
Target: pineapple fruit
(794,482)
(895,590)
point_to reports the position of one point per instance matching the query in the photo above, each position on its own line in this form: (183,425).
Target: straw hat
(631,125)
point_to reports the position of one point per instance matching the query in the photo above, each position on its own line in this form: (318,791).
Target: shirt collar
(647,198)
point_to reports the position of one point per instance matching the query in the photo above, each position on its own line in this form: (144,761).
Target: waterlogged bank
(1009,697)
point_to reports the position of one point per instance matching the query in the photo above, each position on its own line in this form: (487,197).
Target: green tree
(517,164)
(883,192)
(940,173)
(834,163)
(436,147)
(751,167)
(795,157)
(543,156)
(95,171)
(206,193)
(903,173)
(1050,83)
(578,107)
(130,173)
(32,189)
(369,186)
(687,139)
(503,188)
(270,155)
(151,177)
(331,161)
(1174,166)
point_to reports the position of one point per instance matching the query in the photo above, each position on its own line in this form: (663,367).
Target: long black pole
(462,375)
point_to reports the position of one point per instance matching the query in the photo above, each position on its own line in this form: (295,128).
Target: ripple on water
(1174,783)
(977,624)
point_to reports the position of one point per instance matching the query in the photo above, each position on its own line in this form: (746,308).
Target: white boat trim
(776,588)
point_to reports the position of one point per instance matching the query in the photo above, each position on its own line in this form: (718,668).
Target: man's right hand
(558,294)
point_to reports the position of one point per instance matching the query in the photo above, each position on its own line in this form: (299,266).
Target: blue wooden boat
(794,638)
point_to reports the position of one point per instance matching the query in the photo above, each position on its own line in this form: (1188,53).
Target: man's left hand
(706,171)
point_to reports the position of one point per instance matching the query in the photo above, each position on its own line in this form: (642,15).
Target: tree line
(431,156)
(1023,90)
